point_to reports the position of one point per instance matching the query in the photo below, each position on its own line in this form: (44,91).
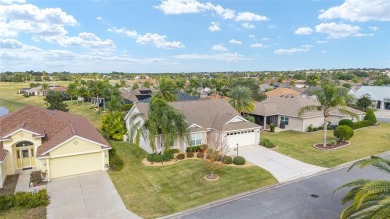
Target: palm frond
(310,108)
(347,112)
(380,163)
(354,183)
(370,188)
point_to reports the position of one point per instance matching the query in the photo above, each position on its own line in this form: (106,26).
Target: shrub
(116,163)
(361,124)
(310,128)
(321,128)
(112,152)
(200,155)
(208,156)
(228,160)
(174,151)
(159,157)
(250,118)
(127,107)
(239,160)
(181,156)
(190,154)
(264,141)
(28,200)
(370,116)
(267,143)
(6,202)
(193,149)
(315,129)
(272,127)
(36,177)
(343,132)
(347,122)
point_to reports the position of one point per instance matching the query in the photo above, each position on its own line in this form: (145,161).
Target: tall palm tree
(369,198)
(162,119)
(166,90)
(241,99)
(329,98)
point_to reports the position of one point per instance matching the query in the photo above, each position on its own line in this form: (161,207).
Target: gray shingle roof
(376,92)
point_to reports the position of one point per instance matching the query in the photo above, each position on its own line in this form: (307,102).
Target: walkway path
(282,167)
(23,184)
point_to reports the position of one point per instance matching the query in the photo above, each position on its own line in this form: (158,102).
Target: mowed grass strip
(365,142)
(157,191)
(13,101)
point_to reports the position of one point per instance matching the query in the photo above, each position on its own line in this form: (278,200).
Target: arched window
(24,143)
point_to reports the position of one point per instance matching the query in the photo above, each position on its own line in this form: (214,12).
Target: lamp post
(237,149)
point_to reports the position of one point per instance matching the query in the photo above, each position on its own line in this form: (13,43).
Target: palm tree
(329,98)
(162,119)
(166,90)
(45,87)
(370,198)
(241,99)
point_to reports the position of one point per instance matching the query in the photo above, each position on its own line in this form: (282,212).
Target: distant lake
(3,111)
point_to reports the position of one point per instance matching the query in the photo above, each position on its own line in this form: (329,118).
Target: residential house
(265,87)
(282,91)
(204,91)
(55,142)
(310,92)
(204,118)
(136,95)
(379,96)
(37,91)
(282,111)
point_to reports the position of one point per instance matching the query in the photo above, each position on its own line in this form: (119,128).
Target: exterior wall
(316,121)
(3,172)
(75,146)
(19,136)
(294,123)
(255,135)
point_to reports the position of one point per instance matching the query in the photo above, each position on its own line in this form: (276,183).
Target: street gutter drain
(314,195)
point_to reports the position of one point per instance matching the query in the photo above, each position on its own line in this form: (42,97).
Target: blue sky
(192,35)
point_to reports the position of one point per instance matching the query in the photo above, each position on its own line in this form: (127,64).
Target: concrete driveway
(383,115)
(90,195)
(282,167)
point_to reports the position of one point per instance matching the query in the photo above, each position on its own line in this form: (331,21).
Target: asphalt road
(292,200)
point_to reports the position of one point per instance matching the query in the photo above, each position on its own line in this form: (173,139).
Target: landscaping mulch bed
(331,146)
(9,185)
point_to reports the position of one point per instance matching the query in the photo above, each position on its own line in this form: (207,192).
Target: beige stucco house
(55,142)
(205,118)
(284,109)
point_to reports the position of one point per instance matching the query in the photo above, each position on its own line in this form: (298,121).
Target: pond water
(3,111)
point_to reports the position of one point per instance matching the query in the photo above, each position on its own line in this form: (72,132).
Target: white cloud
(233,41)
(375,28)
(303,31)
(27,18)
(227,57)
(364,34)
(249,16)
(336,31)
(8,2)
(182,6)
(265,39)
(99,18)
(248,25)
(87,40)
(303,48)
(154,39)
(257,45)
(321,42)
(219,48)
(359,10)
(225,13)
(251,36)
(271,26)
(214,26)
(158,41)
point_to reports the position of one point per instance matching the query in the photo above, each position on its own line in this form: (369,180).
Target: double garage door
(77,164)
(242,138)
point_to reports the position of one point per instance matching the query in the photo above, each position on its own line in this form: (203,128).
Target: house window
(284,119)
(196,139)
(24,143)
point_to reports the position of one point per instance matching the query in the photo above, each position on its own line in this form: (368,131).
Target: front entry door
(24,158)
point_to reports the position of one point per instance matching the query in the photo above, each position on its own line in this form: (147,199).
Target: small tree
(347,122)
(135,86)
(363,103)
(370,116)
(343,132)
(55,101)
(215,153)
(114,125)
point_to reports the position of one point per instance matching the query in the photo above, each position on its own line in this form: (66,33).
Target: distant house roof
(55,127)
(282,91)
(180,97)
(310,91)
(213,114)
(290,105)
(375,92)
(136,95)
(264,87)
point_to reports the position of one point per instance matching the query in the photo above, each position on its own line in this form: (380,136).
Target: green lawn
(365,142)
(156,191)
(33,213)
(13,101)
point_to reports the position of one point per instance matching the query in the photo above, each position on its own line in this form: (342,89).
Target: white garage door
(243,138)
(72,165)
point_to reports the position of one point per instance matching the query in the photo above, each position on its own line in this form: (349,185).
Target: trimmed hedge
(159,157)
(181,156)
(24,200)
(174,151)
(116,163)
(193,149)
(315,129)
(190,154)
(347,122)
(370,116)
(267,143)
(361,124)
(228,160)
(239,160)
(272,128)
(343,132)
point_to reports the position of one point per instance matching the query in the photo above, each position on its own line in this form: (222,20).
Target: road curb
(262,189)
